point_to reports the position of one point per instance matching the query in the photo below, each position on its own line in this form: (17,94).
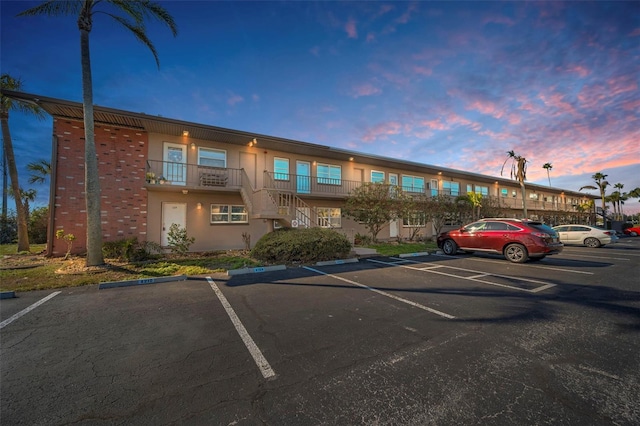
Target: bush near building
(301,245)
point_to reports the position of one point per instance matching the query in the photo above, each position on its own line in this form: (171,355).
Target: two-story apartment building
(225,186)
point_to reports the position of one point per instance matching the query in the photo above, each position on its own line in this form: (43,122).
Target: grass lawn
(24,272)
(396,248)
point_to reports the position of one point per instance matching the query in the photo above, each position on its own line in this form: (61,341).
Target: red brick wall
(122,155)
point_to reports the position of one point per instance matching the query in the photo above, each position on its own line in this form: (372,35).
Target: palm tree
(518,172)
(39,171)
(620,198)
(132,16)
(601,185)
(548,166)
(6,105)
(27,196)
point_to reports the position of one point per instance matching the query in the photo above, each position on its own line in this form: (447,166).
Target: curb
(256,270)
(7,295)
(141,281)
(337,262)
(420,253)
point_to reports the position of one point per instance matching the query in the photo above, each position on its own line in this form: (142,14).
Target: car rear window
(542,227)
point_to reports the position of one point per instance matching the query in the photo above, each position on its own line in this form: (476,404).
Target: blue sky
(456,84)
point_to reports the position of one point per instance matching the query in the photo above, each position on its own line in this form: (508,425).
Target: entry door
(175,163)
(172,213)
(393,225)
(303,180)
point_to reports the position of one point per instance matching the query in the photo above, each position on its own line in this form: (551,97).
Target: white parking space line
(260,360)
(384,293)
(544,285)
(28,309)
(550,268)
(597,257)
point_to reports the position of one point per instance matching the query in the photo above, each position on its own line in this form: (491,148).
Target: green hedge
(301,245)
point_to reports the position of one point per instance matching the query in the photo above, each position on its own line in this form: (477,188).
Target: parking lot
(440,340)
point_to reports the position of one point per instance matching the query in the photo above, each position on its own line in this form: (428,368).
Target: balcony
(166,175)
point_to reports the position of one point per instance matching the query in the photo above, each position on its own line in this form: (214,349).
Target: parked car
(517,240)
(633,231)
(590,236)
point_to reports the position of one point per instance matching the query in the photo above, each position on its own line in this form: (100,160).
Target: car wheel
(449,247)
(516,253)
(592,242)
(633,234)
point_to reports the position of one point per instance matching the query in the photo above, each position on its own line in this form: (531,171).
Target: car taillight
(607,233)
(542,235)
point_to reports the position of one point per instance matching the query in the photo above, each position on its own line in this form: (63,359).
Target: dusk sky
(455,84)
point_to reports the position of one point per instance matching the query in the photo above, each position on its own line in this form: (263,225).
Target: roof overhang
(64,109)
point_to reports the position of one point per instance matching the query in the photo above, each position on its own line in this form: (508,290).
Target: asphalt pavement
(433,339)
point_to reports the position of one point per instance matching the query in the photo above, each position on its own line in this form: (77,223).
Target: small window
(414,220)
(451,188)
(377,177)
(329,174)
(533,196)
(329,217)
(222,213)
(281,168)
(212,157)
(504,192)
(484,190)
(412,183)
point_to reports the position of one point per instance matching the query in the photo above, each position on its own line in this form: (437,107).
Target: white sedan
(590,236)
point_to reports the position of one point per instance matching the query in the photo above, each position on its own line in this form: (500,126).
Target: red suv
(517,240)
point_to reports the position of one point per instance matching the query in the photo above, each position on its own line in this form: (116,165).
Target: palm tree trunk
(23,230)
(92,182)
(524,200)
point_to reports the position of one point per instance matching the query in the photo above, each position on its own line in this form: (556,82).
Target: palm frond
(54,8)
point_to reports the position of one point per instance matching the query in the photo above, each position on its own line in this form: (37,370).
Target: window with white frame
(212,157)
(412,183)
(377,177)
(329,174)
(329,217)
(223,213)
(533,196)
(414,220)
(281,168)
(451,188)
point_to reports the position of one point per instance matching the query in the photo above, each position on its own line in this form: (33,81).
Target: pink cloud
(350,28)
(579,69)
(422,70)
(486,107)
(434,124)
(382,130)
(366,89)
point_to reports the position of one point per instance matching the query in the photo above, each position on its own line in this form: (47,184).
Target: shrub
(130,250)
(178,240)
(301,245)
(69,238)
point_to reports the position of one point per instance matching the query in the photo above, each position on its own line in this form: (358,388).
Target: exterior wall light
(185,133)
(199,205)
(193,145)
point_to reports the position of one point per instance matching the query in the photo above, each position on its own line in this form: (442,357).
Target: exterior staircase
(271,203)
